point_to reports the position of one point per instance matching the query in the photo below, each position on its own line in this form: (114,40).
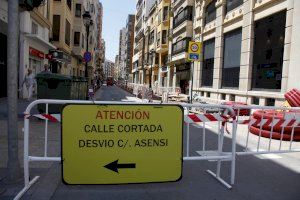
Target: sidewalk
(22,105)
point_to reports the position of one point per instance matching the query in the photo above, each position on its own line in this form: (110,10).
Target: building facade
(122,55)
(142,12)
(249,50)
(109,69)
(35,29)
(129,39)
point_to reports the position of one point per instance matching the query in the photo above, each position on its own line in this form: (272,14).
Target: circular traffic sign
(87,56)
(194,47)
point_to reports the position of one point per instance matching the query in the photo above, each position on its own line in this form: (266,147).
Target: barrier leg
(187,140)
(27,182)
(233,151)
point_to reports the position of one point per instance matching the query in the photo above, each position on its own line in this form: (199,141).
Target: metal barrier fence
(222,115)
(266,130)
(219,154)
(240,121)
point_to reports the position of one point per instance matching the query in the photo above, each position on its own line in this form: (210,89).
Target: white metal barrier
(220,117)
(266,130)
(217,155)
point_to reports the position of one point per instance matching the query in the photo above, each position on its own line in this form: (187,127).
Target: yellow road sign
(194,51)
(115,144)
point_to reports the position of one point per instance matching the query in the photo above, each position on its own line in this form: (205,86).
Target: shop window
(208,94)
(270,102)
(255,100)
(208,63)
(210,12)
(56,27)
(202,94)
(78,10)
(76,38)
(232,4)
(269,34)
(231,97)
(67,33)
(232,59)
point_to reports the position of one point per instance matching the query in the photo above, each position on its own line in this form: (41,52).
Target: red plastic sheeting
(275,135)
(272,114)
(293,97)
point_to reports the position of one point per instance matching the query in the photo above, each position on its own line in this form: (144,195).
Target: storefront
(33,55)
(183,77)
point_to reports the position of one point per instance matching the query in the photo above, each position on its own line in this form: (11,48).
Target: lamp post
(150,78)
(88,22)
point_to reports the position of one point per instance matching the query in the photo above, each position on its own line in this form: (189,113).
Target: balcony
(185,15)
(180,46)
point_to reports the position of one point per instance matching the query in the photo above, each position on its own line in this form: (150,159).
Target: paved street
(257,177)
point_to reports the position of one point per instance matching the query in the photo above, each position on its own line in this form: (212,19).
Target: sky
(115,14)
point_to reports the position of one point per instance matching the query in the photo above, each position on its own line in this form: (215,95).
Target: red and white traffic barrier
(196,118)
(50,117)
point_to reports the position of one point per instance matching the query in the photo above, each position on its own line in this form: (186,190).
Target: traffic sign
(87,56)
(194,51)
(116,144)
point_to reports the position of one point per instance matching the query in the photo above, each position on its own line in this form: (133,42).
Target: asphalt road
(256,178)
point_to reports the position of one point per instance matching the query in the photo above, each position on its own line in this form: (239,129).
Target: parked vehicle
(110,81)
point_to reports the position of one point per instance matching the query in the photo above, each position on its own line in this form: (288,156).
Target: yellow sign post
(116,144)
(194,51)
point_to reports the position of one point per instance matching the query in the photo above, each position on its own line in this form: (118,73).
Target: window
(82,41)
(78,10)
(255,100)
(159,16)
(183,15)
(92,8)
(270,102)
(56,27)
(164,36)
(76,38)
(158,38)
(232,59)
(210,12)
(232,4)
(34,28)
(67,33)
(151,37)
(165,13)
(69,3)
(269,34)
(208,63)
(180,46)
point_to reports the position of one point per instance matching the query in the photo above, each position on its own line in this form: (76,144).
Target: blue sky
(115,13)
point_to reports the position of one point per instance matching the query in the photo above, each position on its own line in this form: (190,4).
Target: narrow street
(111,93)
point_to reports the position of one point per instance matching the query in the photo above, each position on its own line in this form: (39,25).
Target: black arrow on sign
(114,166)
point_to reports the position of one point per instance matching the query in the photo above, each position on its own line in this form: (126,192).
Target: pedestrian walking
(46,69)
(30,83)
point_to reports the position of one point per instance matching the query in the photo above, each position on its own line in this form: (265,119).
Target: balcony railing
(184,15)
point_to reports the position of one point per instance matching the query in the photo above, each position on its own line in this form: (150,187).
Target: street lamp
(150,78)
(88,22)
